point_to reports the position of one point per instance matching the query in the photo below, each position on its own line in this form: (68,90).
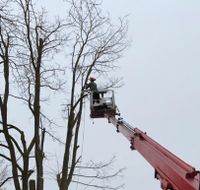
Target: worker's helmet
(92,79)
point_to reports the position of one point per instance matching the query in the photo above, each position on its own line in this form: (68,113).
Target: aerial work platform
(103,103)
(173,172)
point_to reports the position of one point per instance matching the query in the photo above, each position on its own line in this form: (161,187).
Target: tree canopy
(30,44)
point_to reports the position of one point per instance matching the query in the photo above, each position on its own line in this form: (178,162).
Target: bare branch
(101,177)
(5,180)
(99,186)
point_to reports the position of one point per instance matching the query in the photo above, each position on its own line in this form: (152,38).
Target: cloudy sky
(162,86)
(161,92)
(161,95)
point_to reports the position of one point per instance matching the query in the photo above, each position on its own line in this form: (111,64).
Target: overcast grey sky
(161,72)
(161,94)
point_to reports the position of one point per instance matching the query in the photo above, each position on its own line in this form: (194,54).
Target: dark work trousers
(96,97)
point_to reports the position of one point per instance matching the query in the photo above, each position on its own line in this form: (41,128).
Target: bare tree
(29,42)
(34,39)
(38,39)
(96,45)
(5,50)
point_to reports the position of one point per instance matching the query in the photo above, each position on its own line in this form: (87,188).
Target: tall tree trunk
(63,184)
(38,148)
(4,111)
(25,174)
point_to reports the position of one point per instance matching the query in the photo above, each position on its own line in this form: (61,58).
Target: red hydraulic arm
(173,173)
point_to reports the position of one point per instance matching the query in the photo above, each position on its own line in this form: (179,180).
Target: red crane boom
(173,173)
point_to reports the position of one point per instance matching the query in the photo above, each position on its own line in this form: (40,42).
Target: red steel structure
(173,173)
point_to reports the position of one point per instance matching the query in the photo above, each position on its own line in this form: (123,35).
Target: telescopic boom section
(173,173)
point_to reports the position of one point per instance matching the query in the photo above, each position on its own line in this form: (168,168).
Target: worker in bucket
(93,88)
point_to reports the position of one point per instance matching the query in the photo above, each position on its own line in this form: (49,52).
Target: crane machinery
(173,173)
